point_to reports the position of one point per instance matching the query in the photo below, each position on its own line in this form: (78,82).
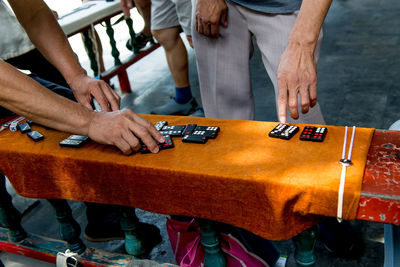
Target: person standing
(168,17)
(288,33)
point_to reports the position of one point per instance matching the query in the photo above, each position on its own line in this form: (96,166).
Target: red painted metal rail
(120,70)
(380,194)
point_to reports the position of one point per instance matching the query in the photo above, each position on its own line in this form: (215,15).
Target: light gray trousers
(223,63)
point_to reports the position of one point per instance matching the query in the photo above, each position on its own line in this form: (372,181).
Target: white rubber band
(340,194)
(345,164)
(351,143)
(344,143)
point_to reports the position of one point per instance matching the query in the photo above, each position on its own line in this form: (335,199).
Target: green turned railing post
(114,50)
(69,229)
(305,242)
(10,217)
(211,241)
(89,49)
(129,224)
(132,34)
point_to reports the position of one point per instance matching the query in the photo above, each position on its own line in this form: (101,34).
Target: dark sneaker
(143,43)
(174,108)
(341,239)
(103,232)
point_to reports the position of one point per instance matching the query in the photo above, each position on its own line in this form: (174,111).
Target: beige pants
(170,13)
(223,63)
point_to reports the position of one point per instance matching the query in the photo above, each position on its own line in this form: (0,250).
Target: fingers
(304,98)
(112,97)
(308,92)
(107,98)
(296,75)
(124,146)
(124,129)
(282,99)
(288,95)
(126,6)
(145,131)
(214,30)
(209,15)
(117,97)
(206,29)
(98,94)
(147,139)
(87,102)
(199,25)
(146,124)
(224,19)
(293,103)
(132,141)
(85,88)
(313,92)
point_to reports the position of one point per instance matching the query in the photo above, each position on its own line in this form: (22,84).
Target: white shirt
(13,39)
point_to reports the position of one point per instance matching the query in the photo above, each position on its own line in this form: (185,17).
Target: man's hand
(85,88)
(296,74)
(123,129)
(209,15)
(126,6)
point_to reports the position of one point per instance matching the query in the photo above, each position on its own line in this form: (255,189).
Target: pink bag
(185,242)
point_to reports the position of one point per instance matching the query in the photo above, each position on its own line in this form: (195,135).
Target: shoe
(103,232)
(143,43)
(142,240)
(341,239)
(174,108)
(198,113)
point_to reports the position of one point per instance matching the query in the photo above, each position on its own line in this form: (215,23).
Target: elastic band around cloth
(14,122)
(346,162)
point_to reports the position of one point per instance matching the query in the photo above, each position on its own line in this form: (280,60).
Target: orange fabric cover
(272,187)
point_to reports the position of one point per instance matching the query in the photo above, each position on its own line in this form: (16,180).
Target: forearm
(308,25)
(46,34)
(28,98)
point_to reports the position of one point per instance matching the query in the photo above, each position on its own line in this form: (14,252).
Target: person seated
(17,49)
(29,97)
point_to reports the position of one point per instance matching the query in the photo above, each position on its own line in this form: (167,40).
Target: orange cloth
(272,187)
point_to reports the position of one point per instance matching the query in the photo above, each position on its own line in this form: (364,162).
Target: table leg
(392,245)
(69,229)
(134,243)
(10,217)
(211,241)
(305,242)
(114,50)
(89,49)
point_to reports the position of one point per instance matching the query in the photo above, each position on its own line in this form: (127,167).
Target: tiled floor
(359,77)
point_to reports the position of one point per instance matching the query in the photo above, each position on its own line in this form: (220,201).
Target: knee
(166,37)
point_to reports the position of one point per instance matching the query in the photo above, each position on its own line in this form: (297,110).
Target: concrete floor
(358,85)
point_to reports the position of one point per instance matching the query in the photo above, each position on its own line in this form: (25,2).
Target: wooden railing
(83,19)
